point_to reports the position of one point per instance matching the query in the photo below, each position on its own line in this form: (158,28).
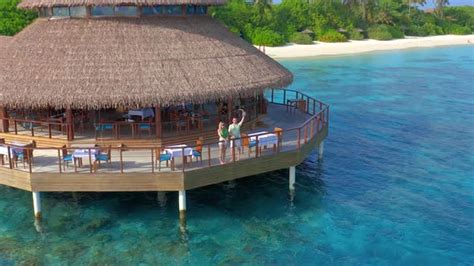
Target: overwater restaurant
(127,95)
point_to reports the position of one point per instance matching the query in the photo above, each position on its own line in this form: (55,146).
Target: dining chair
(103,155)
(146,126)
(67,158)
(163,156)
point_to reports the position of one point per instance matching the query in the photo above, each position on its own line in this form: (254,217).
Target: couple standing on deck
(233,133)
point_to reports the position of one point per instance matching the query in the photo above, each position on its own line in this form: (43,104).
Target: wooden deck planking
(16,179)
(138,174)
(171,181)
(218,174)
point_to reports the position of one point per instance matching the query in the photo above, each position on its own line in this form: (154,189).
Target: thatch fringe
(30,4)
(131,62)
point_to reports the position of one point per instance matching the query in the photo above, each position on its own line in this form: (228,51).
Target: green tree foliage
(301,38)
(380,32)
(265,24)
(333,36)
(379,19)
(355,34)
(12,19)
(267,37)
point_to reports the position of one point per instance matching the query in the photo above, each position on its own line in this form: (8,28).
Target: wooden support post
(292,178)
(158,122)
(321,150)
(4,120)
(70,124)
(37,205)
(182,208)
(292,181)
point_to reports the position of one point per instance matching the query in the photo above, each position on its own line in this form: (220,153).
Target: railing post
(257,149)
(284,97)
(299,138)
(209,154)
(233,150)
(49,130)
(184,159)
(10,163)
(323,120)
(307,105)
(90,160)
(60,161)
(121,160)
(16,127)
(317,123)
(32,129)
(305,133)
(152,161)
(272,96)
(30,158)
(327,118)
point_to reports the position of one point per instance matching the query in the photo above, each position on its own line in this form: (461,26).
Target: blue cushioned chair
(104,127)
(144,127)
(18,155)
(67,158)
(163,157)
(102,156)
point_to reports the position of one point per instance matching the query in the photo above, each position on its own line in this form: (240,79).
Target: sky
(456,2)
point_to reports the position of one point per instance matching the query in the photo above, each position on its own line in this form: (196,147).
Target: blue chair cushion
(252,143)
(144,126)
(68,158)
(18,153)
(104,127)
(165,157)
(196,154)
(102,157)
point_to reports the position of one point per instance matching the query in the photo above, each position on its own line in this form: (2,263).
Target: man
(234,131)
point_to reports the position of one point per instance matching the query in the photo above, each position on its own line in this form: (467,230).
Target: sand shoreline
(356,47)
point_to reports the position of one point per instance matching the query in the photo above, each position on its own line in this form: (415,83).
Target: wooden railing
(108,159)
(178,126)
(32,128)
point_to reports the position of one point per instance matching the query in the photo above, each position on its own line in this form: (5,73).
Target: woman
(223,139)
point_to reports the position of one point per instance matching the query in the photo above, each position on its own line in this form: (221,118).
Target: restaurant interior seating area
(121,123)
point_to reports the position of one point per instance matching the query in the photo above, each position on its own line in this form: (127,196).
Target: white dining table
(84,153)
(264,138)
(177,151)
(4,149)
(143,113)
(80,154)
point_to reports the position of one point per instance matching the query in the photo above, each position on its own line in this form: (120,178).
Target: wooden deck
(135,169)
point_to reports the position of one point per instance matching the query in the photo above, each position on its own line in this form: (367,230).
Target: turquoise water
(396,185)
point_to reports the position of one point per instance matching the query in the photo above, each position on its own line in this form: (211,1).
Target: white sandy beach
(353,47)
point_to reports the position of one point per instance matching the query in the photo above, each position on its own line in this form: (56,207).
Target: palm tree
(262,6)
(414,2)
(439,6)
(366,6)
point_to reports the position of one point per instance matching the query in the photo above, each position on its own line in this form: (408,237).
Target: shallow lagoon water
(396,185)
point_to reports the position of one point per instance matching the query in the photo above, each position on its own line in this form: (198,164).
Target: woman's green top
(224,133)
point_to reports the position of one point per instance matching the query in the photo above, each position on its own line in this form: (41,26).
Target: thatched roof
(131,62)
(29,4)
